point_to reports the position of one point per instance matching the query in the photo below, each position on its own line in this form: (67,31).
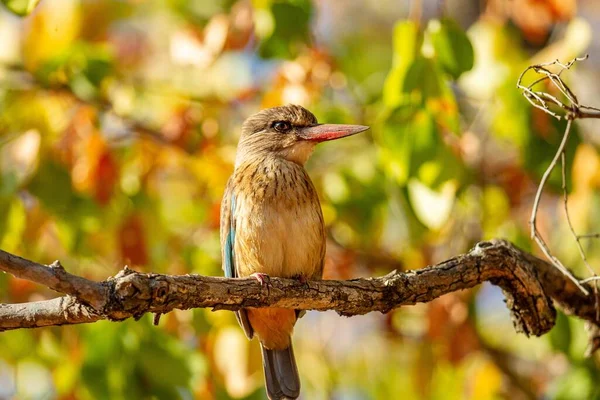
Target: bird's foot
(261,278)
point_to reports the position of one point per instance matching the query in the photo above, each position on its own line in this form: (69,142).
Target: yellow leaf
(15,226)
(50,31)
(487,380)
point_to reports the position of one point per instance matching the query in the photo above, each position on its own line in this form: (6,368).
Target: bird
(272,225)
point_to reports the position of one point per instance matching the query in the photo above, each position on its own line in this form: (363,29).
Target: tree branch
(56,278)
(529,284)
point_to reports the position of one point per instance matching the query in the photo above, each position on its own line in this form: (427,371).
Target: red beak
(324,132)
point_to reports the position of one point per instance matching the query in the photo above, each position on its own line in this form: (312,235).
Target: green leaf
(576,384)
(541,145)
(452,47)
(496,210)
(291,29)
(412,148)
(423,77)
(131,360)
(9,184)
(17,345)
(408,139)
(21,7)
(534,133)
(83,65)
(13,225)
(560,335)
(511,121)
(407,44)
(164,365)
(52,186)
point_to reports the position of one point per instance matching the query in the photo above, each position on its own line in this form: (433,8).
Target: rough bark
(529,283)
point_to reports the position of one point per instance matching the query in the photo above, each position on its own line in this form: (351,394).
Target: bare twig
(572,229)
(589,236)
(534,232)
(538,99)
(573,110)
(590,279)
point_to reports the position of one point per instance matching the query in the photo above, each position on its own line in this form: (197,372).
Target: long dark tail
(281,374)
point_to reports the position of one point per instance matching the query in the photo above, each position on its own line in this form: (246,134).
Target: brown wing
(228,249)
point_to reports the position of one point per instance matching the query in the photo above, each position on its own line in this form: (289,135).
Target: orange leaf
(106,175)
(132,241)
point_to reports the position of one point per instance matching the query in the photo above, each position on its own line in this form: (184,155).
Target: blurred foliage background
(118,128)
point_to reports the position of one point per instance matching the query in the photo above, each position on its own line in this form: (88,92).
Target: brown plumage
(271,224)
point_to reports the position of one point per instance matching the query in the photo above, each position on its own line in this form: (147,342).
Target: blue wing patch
(230,270)
(229,243)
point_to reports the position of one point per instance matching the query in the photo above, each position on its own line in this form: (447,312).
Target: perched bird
(272,224)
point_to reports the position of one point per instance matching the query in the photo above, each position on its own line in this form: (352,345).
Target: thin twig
(589,236)
(590,279)
(566,207)
(539,99)
(536,203)
(572,229)
(573,110)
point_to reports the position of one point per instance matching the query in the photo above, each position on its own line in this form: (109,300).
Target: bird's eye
(281,126)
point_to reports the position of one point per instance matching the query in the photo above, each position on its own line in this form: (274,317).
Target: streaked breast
(279,224)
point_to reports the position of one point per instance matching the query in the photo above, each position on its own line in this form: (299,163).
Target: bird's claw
(261,278)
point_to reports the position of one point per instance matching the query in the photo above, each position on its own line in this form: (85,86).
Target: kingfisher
(272,225)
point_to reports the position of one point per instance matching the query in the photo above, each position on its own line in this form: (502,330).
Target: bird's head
(290,132)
